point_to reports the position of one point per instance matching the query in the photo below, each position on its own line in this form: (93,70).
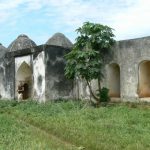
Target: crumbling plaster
(49,82)
(128,54)
(39,76)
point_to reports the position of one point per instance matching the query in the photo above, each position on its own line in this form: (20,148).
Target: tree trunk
(99,84)
(93,95)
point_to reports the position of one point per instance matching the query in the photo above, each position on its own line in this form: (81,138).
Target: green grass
(74,125)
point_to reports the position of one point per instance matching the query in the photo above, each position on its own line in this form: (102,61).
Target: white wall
(39,77)
(3,93)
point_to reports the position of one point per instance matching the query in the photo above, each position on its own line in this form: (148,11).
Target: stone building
(41,68)
(127,73)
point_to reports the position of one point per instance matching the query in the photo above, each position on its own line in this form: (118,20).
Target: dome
(22,42)
(3,50)
(59,39)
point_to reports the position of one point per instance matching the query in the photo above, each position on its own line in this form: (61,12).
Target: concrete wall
(39,76)
(9,76)
(81,90)
(44,65)
(131,56)
(57,86)
(128,54)
(3,89)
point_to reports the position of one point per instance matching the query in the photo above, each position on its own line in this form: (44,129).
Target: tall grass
(113,127)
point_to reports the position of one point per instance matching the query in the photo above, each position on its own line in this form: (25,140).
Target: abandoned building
(128,74)
(41,69)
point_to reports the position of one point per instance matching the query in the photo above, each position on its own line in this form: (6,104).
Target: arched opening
(114,80)
(24,75)
(144,79)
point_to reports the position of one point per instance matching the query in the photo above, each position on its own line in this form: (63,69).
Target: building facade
(126,73)
(41,69)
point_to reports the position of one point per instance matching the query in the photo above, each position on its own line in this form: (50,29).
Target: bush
(103,95)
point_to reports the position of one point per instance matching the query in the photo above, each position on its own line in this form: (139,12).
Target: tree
(86,59)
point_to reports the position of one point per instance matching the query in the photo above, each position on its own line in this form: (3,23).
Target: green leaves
(103,95)
(91,46)
(86,64)
(96,36)
(85,59)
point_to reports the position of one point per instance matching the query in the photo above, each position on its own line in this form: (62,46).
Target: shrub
(103,95)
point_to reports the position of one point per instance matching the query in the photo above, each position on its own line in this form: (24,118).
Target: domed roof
(22,42)
(59,39)
(3,50)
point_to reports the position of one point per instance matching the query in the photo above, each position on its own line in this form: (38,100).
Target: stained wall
(57,85)
(39,76)
(128,54)
(47,64)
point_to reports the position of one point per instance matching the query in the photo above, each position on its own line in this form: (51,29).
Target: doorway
(144,79)
(24,76)
(114,80)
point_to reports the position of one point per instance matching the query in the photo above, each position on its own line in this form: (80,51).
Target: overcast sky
(40,19)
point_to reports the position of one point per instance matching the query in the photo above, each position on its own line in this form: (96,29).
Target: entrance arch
(144,79)
(114,80)
(24,74)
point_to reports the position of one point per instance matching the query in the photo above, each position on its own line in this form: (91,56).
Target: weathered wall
(3,88)
(57,86)
(81,90)
(39,76)
(11,63)
(48,72)
(44,65)
(9,76)
(128,54)
(3,93)
(2,80)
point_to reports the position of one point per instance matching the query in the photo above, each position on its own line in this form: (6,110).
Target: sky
(40,19)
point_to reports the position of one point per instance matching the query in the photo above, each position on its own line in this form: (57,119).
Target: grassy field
(73,126)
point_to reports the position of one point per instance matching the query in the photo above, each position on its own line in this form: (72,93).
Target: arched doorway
(144,79)
(24,75)
(114,80)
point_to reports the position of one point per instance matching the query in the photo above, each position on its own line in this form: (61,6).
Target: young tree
(87,56)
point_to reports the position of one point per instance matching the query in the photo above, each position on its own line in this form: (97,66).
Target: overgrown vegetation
(103,95)
(74,125)
(86,59)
